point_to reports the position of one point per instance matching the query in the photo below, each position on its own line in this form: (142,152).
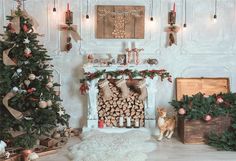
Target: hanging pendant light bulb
(151,18)
(215,15)
(185,14)
(87,15)
(54,10)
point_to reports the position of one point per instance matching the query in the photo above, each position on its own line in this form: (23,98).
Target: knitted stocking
(107,93)
(143,89)
(124,88)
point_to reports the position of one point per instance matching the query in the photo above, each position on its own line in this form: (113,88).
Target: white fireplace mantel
(150,109)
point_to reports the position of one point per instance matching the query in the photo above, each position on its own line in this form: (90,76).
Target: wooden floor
(168,150)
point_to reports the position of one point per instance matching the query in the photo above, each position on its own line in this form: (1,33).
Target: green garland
(200,105)
(130,73)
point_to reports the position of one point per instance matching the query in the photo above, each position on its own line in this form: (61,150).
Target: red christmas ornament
(100,124)
(25,28)
(207,118)
(68,46)
(31,90)
(182,111)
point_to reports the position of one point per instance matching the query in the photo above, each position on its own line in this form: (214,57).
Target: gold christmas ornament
(32,77)
(27,82)
(42,104)
(50,85)
(49,103)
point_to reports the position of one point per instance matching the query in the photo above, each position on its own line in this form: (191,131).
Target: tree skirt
(98,146)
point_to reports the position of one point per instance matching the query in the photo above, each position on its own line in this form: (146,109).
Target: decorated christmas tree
(29,105)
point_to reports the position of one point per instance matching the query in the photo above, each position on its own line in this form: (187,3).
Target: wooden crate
(194,131)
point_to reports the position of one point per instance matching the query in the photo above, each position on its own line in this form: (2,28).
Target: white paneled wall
(204,48)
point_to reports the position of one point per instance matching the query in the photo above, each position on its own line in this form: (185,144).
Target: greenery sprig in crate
(205,107)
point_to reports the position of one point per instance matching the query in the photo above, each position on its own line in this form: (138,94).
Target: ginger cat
(165,124)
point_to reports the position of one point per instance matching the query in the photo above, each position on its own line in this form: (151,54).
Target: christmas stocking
(107,93)
(143,89)
(124,88)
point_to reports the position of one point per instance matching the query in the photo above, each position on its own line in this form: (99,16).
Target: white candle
(133,45)
(129,45)
(121,121)
(137,123)
(128,122)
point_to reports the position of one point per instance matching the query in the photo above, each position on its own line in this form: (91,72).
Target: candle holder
(172,17)
(121,122)
(69,16)
(137,123)
(128,122)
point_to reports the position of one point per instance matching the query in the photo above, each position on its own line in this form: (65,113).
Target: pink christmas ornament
(219,100)
(182,111)
(207,118)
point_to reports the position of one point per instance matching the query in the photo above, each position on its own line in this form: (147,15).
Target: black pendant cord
(185,13)
(151,18)
(87,15)
(54,6)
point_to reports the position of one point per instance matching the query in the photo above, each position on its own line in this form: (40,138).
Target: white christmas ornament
(26,41)
(27,82)
(61,112)
(49,103)
(32,77)
(50,85)
(26,62)
(42,104)
(15,89)
(19,70)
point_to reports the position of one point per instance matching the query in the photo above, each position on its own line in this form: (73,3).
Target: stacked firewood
(111,110)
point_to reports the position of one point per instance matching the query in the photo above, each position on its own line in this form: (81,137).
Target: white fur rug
(97,146)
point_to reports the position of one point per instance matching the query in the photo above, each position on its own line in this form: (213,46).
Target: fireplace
(148,113)
(122,104)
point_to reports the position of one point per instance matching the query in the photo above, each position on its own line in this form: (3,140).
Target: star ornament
(26,41)
(60,112)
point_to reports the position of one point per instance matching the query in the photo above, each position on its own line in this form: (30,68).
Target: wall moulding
(90,44)
(204,37)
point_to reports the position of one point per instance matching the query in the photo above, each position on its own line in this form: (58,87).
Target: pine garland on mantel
(199,106)
(163,74)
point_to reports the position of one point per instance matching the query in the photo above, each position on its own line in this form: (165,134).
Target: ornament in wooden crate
(69,31)
(172,30)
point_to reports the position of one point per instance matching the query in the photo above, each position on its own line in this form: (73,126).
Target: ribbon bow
(15,21)
(68,31)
